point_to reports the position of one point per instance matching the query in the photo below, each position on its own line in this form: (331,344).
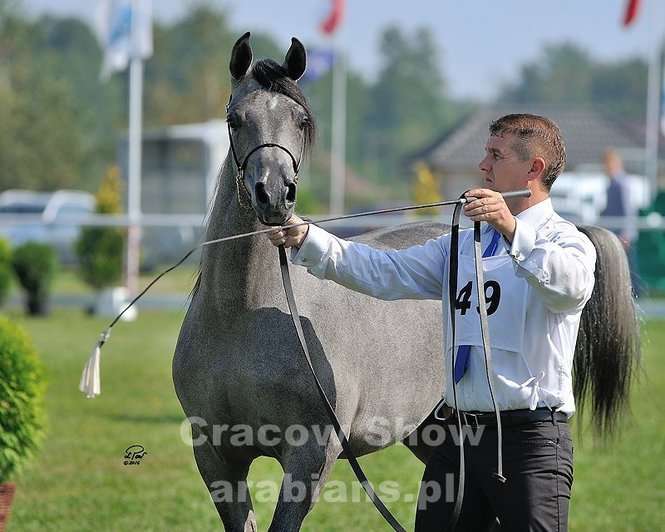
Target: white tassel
(90,383)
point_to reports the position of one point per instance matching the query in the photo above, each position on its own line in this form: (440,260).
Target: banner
(125,30)
(319,62)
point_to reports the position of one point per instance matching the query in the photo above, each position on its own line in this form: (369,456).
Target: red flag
(631,12)
(334,18)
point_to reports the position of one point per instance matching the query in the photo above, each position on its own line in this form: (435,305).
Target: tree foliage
(40,143)
(99,249)
(567,74)
(5,270)
(35,265)
(21,400)
(408,103)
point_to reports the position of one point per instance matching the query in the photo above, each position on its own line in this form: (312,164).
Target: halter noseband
(241,167)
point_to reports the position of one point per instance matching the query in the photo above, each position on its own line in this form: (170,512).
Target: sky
(482,43)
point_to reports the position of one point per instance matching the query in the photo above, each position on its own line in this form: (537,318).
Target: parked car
(50,217)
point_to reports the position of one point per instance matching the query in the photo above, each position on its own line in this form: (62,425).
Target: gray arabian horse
(238,361)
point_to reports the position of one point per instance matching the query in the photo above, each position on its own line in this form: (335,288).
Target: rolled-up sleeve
(412,273)
(558,263)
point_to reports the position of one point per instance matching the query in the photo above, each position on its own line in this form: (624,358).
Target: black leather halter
(242,166)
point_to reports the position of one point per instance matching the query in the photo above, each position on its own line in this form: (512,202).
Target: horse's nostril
(261,195)
(291,192)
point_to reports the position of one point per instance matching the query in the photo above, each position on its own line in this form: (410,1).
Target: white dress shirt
(553,260)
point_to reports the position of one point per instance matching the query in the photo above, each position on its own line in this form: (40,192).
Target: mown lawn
(79,481)
(180,281)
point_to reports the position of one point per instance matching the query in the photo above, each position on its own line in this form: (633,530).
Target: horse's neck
(239,274)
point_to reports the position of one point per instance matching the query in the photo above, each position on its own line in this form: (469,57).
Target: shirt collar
(536,214)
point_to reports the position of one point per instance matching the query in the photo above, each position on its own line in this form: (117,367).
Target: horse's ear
(241,57)
(296,60)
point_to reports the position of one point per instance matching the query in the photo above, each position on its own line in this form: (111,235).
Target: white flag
(125,30)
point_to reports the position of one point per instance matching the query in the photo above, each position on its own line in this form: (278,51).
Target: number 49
(463,301)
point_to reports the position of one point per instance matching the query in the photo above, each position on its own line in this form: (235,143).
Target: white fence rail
(653,222)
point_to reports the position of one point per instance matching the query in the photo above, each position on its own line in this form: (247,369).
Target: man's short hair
(536,136)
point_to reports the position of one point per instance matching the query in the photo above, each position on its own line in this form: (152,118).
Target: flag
(334,18)
(631,12)
(125,30)
(319,62)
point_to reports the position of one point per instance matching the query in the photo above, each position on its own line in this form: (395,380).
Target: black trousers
(538,465)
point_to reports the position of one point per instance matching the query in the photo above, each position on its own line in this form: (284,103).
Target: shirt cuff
(312,249)
(523,241)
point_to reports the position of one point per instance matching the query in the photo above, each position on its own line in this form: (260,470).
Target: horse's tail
(608,343)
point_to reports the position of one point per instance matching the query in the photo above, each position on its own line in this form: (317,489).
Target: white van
(581,196)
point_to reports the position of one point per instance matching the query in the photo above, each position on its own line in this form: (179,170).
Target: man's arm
(559,265)
(412,273)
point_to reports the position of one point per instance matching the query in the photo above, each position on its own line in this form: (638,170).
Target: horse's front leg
(226,480)
(306,469)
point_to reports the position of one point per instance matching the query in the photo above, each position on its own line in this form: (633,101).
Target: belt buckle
(472,415)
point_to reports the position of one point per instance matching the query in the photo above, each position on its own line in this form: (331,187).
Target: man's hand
(489,206)
(292,237)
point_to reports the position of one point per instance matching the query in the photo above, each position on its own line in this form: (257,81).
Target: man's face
(613,165)
(502,168)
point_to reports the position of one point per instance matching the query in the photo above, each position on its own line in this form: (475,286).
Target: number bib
(506,296)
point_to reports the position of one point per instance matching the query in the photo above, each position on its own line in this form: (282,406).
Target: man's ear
(241,57)
(295,62)
(537,170)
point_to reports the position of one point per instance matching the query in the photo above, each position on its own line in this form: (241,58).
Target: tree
(99,249)
(562,74)
(39,146)
(41,142)
(566,74)
(408,101)
(69,51)
(187,79)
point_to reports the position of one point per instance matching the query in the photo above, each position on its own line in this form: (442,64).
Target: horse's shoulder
(402,236)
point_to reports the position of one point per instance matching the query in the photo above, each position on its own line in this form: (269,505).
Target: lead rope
(452,297)
(487,350)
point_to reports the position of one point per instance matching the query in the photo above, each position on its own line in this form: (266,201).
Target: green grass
(79,482)
(179,281)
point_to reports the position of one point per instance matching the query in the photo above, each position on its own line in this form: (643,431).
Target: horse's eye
(303,122)
(234,121)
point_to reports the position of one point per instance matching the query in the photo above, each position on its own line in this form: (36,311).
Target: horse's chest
(233,369)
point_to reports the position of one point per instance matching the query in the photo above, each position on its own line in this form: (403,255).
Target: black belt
(509,418)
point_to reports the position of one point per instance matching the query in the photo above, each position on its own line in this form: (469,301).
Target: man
(618,197)
(619,206)
(539,275)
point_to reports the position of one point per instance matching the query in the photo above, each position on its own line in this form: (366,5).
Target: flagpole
(338,144)
(653,112)
(135,156)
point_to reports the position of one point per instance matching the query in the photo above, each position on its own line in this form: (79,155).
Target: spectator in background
(619,205)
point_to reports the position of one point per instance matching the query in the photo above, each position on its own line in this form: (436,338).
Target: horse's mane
(274,77)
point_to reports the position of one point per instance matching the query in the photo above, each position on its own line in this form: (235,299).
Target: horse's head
(270,126)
